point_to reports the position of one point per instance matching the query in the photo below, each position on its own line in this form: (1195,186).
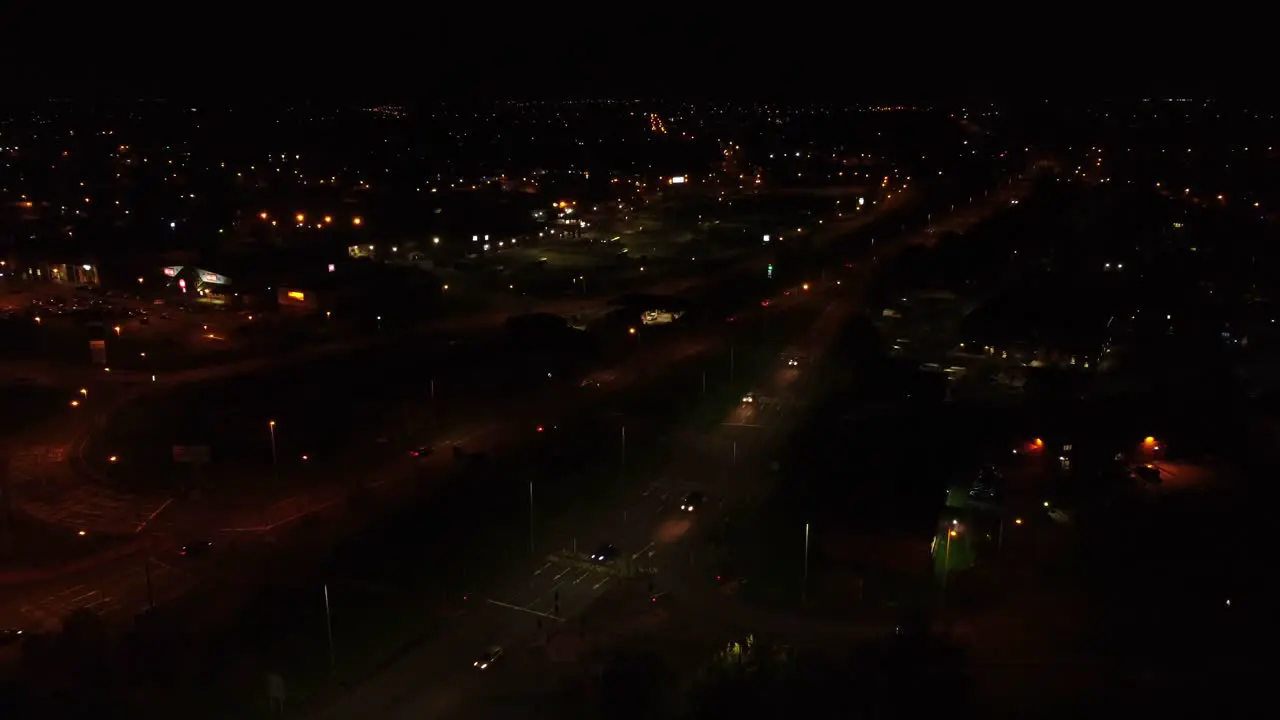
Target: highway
(731,465)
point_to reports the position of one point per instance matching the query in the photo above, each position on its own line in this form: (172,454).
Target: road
(731,465)
(119,585)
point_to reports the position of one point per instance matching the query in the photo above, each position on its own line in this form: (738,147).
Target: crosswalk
(48,491)
(48,613)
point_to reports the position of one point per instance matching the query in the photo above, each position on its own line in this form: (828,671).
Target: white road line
(563,572)
(541,569)
(509,606)
(601,584)
(581,577)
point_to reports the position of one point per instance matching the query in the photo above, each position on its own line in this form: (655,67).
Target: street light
(946,566)
(275,464)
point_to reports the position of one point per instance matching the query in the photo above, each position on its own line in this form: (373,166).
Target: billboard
(98,351)
(213,278)
(297,299)
(173,270)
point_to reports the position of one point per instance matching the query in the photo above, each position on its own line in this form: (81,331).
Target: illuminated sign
(296,295)
(213,278)
(678,180)
(173,270)
(861,201)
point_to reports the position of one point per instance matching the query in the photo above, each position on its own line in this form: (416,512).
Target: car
(421,452)
(793,362)
(749,398)
(605,553)
(11,641)
(488,659)
(196,548)
(1147,473)
(692,501)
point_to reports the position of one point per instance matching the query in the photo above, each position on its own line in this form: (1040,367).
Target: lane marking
(564,572)
(541,569)
(509,606)
(601,584)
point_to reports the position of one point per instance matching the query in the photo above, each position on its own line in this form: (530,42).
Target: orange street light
(356,221)
(117,329)
(328,219)
(263,215)
(300,217)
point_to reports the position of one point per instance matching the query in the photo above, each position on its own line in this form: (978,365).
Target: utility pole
(146,569)
(328,621)
(804,586)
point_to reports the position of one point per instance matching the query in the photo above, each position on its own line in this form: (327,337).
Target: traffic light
(770,271)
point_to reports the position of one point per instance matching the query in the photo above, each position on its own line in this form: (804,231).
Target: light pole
(328,621)
(624,447)
(275,461)
(946,565)
(530,518)
(804,585)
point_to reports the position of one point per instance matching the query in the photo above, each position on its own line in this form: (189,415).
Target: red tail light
(540,428)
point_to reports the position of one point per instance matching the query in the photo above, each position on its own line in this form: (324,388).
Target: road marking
(741,424)
(509,606)
(153,515)
(541,569)
(581,577)
(601,584)
(564,572)
(642,551)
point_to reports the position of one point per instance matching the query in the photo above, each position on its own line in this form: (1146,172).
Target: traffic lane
(652,517)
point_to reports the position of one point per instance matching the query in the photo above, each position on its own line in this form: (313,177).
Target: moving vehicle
(488,659)
(692,501)
(197,548)
(605,553)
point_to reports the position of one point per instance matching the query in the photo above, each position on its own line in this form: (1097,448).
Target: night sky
(413,54)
